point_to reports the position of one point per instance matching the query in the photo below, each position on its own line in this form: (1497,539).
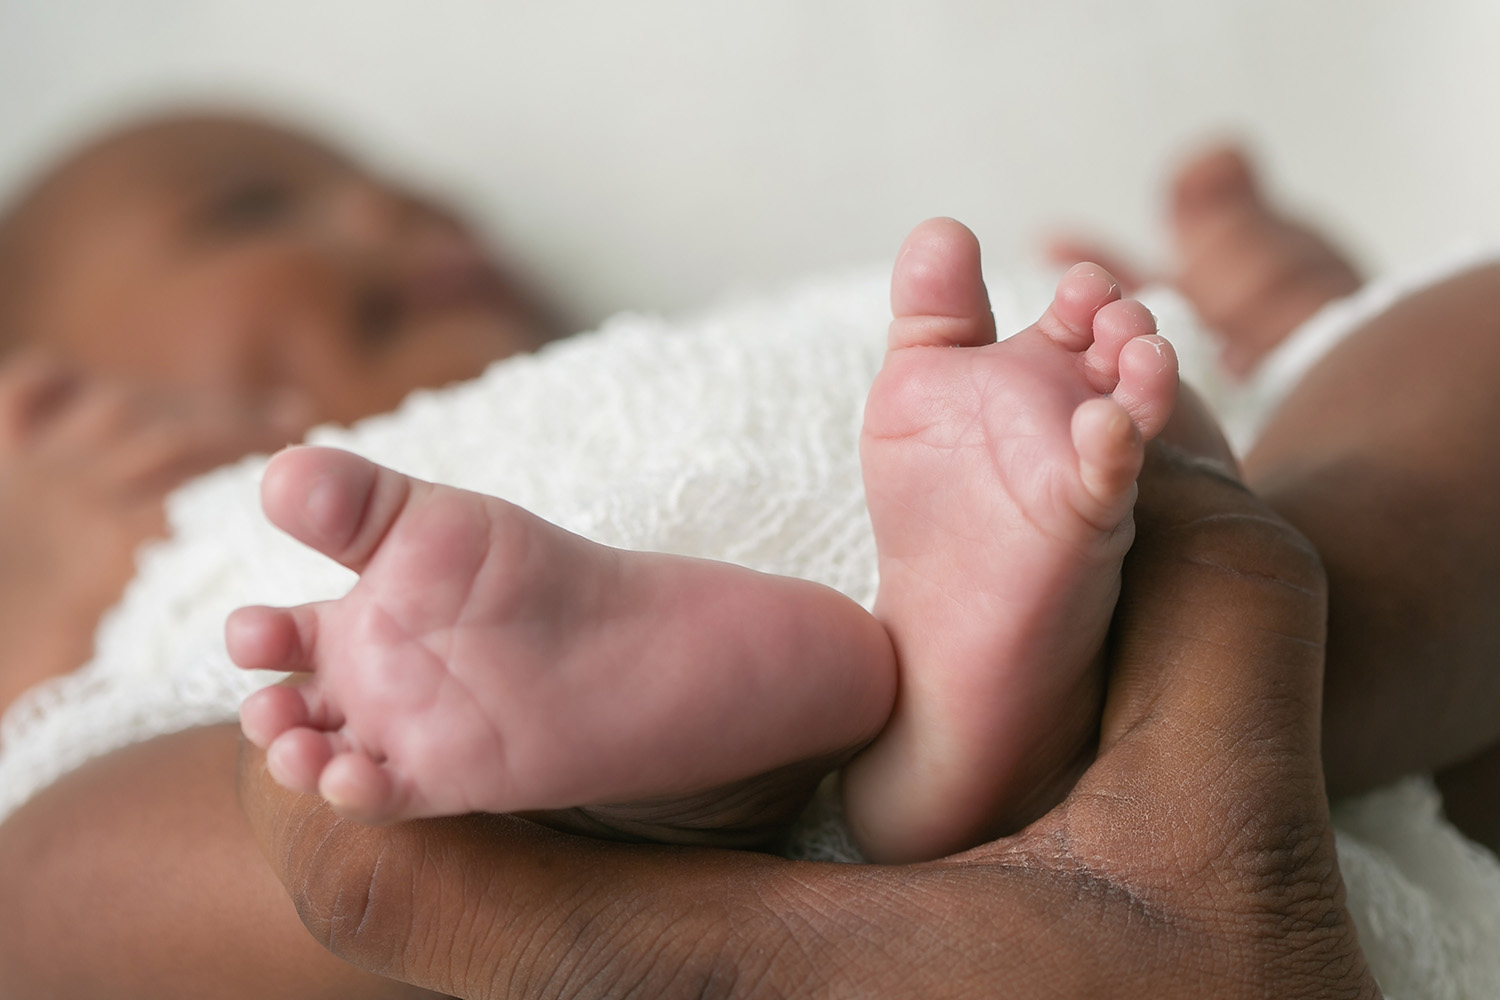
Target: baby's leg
(487,660)
(1385,457)
(1000,480)
(1252,271)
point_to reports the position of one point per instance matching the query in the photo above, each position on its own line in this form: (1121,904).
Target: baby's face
(230,257)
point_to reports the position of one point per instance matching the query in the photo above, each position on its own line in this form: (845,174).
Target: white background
(656,153)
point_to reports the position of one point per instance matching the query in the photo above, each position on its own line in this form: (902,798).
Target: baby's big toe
(938,298)
(333,501)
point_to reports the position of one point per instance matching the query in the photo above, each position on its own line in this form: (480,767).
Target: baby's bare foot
(1000,480)
(1252,273)
(487,660)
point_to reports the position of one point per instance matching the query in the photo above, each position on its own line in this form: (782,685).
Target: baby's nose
(368,215)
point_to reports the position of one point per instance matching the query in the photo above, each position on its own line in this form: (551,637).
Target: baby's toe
(1116,324)
(298,757)
(333,501)
(268,713)
(1214,180)
(1110,452)
(358,788)
(260,638)
(938,298)
(1082,292)
(1148,383)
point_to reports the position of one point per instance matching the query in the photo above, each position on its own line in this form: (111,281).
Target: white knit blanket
(731,435)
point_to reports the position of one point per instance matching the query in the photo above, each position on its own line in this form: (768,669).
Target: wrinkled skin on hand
(1194,858)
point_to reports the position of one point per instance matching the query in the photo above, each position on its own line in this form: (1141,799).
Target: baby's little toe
(358,788)
(1110,452)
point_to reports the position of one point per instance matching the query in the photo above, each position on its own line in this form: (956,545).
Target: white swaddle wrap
(731,435)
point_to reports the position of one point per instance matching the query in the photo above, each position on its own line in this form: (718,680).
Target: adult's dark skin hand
(1194,858)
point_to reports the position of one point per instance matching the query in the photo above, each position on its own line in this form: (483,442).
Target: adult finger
(491,906)
(1219,631)
(1207,797)
(496,906)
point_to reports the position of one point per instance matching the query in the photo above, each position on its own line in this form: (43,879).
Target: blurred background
(657,154)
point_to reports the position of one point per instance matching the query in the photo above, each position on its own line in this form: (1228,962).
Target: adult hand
(1195,858)
(84,467)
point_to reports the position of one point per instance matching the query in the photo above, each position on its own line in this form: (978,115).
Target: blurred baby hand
(85,464)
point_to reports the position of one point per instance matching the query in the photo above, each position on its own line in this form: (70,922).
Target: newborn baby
(196,288)
(165,308)
(489,661)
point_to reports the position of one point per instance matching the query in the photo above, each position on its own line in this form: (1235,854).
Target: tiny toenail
(1087,269)
(1162,348)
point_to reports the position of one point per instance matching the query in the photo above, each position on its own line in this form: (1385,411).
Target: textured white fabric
(731,435)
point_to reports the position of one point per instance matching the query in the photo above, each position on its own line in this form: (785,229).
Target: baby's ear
(32,388)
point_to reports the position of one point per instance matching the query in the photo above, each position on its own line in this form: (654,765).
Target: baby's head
(226,255)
